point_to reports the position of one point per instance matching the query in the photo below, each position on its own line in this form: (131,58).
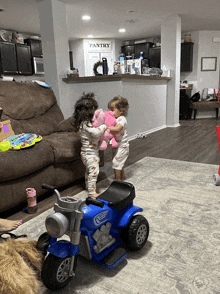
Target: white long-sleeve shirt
(88,134)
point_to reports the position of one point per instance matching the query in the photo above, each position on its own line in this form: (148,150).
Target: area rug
(182,254)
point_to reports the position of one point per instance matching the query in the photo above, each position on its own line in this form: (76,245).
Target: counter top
(111,78)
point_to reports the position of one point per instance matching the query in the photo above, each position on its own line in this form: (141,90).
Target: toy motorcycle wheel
(216,180)
(137,233)
(55,271)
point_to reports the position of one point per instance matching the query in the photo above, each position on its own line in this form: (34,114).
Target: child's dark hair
(120,103)
(85,108)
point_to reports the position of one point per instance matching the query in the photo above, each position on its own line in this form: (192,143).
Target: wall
(76,46)
(147,101)
(203,47)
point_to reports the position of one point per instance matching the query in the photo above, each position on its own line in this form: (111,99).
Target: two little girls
(84,111)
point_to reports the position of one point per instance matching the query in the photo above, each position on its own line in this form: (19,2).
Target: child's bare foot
(94,195)
(9,225)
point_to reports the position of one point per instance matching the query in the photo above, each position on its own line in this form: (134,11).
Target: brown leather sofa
(55,160)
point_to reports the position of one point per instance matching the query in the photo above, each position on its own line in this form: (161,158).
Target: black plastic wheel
(136,233)
(55,271)
(43,243)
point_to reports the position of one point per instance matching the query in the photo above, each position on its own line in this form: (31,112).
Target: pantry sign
(99,46)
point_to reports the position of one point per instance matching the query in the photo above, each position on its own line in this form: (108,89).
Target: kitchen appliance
(38,65)
(139,64)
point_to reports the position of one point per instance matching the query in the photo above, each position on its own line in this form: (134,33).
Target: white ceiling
(107,16)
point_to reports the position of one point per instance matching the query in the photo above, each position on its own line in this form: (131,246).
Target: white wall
(203,47)
(76,46)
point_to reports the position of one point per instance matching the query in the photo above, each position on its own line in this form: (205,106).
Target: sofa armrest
(67,125)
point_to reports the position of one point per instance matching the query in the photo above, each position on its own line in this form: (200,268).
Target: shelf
(111,78)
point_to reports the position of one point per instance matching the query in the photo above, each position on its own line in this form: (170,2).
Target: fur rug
(20,264)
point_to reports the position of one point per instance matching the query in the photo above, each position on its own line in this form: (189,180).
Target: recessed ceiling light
(90,36)
(122,30)
(86,17)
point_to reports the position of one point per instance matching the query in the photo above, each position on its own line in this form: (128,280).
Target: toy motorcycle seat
(118,194)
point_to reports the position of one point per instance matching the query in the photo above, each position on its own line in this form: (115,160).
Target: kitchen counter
(113,78)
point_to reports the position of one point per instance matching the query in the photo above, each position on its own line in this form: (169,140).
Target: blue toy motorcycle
(101,230)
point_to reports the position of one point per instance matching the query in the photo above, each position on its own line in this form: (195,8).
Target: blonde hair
(120,103)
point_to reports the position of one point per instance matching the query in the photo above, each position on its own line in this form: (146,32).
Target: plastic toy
(5,130)
(20,141)
(101,230)
(105,117)
(216,177)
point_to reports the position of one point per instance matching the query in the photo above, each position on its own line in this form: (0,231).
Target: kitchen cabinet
(15,59)
(186,63)
(35,46)
(154,57)
(127,50)
(8,59)
(24,59)
(142,47)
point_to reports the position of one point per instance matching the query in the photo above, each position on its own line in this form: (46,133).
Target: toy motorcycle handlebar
(48,187)
(88,200)
(95,202)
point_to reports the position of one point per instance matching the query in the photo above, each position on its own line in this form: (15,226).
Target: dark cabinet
(8,58)
(186,63)
(127,50)
(24,59)
(142,47)
(154,57)
(35,46)
(15,59)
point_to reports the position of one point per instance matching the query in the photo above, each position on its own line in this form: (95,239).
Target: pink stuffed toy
(104,117)
(110,121)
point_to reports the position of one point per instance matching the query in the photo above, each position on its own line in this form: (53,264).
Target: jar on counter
(187,38)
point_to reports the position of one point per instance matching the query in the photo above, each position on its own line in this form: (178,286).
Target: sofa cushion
(67,125)
(18,163)
(41,125)
(66,146)
(30,107)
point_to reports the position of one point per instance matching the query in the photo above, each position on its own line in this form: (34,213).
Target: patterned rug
(182,254)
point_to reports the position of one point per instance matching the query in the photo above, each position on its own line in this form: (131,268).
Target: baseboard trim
(173,126)
(147,132)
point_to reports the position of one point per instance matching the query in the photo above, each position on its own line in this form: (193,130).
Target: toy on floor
(105,117)
(17,142)
(31,200)
(20,261)
(216,177)
(101,230)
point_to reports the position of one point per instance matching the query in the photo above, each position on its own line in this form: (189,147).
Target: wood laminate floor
(193,141)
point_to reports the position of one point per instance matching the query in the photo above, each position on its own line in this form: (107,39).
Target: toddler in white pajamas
(119,106)
(90,154)
(85,108)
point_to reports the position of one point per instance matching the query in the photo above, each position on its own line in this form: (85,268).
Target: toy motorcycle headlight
(57,224)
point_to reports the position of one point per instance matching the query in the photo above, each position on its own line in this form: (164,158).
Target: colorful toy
(216,177)
(31,200)
(105,117)
(101,230)
(20,141)
(5,130)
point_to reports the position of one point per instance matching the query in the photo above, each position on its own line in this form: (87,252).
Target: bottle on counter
(141,55)
(104,66)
